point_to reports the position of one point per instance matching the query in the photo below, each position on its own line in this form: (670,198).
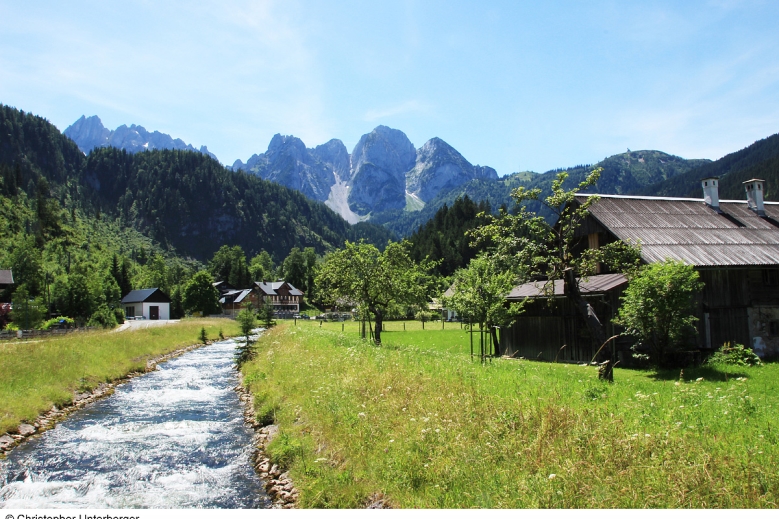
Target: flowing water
(173,438)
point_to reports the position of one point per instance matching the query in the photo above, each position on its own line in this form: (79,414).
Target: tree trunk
(586,311)
(379,323)
(494,333)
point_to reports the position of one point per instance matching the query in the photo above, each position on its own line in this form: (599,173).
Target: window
(773,328)
(129,311)
(771,277)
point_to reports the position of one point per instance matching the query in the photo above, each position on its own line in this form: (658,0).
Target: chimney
(754,189)
(711,192)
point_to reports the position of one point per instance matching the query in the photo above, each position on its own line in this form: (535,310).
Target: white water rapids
(173,438)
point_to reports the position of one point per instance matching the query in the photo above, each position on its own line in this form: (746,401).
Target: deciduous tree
(657,307)
(200,294)
(373,280)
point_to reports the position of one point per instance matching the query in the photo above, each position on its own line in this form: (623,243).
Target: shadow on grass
(707,372)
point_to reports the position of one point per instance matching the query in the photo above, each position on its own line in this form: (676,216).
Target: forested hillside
(444,237)
(759,160)
(79,232)
(189,201)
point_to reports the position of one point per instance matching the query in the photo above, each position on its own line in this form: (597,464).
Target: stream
(173,438)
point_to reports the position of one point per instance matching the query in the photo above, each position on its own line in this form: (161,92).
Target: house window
(773,328)
(771,277)
(129,311)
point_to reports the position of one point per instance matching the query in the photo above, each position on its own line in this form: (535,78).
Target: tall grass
(34,375)
(416,420)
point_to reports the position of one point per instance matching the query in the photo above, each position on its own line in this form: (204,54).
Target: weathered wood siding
(542,331)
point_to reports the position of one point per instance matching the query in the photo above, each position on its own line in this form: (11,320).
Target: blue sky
(513,85)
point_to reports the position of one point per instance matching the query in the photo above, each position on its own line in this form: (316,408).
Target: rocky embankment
(56,414)
(278,484)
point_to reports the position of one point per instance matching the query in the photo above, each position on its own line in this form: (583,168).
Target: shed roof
(6,277)
(152,295)
(687,229)
(593,285)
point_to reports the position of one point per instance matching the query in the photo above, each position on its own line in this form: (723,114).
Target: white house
(149,303)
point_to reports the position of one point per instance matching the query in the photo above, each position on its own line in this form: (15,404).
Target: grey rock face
(376,189)
(89,133)
(382,167)
(379,162)
(289,163)
(440,167)
(334,154)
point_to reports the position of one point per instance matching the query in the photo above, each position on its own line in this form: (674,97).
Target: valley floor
(418,423)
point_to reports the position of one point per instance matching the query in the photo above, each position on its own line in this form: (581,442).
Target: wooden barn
(733,244)
(550,327)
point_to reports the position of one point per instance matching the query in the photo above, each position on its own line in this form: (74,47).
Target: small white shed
(148,303)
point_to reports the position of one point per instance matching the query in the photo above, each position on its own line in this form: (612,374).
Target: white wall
(164,310)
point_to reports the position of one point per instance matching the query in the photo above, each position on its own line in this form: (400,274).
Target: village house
(285,298)
(733,245)
(148,303)
(233,301)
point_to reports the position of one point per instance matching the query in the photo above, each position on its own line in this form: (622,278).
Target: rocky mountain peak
(88,133)
(440,167)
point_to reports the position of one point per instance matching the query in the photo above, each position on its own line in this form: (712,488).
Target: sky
(512,85)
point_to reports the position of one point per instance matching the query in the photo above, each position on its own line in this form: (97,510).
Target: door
(154,313)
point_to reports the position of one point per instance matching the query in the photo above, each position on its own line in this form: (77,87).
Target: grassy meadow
(418,422)
(39,373)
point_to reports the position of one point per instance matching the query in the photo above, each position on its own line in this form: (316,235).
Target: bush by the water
(735,355)
(58,322)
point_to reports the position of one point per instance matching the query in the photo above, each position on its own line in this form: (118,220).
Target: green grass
(34,375)
(416,420)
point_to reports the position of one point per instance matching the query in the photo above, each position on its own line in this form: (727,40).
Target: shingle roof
(593,285)
(6,277)
(688,230)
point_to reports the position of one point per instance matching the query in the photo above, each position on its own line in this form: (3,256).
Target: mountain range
(392,183)
(89,133)
(384,171)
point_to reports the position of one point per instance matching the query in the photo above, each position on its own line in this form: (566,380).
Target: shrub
(103,317)
(736,355)
(657,308)
(58,322)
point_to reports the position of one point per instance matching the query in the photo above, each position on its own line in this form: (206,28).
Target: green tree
(265,314)
(247,321)
(373,280)
(480,295)
(309,255)
(154,274)
(261,267)
(524,243)
(657,307)
(200,294)
(229,264)
(28,312)
(294,269)
(423,316)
